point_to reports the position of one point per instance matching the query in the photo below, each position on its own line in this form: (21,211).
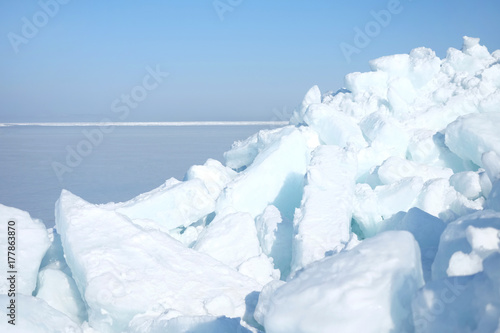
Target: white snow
(467,183)
(275,236)
(214,175)
(367,289)
(27,249)
(232,239)
(34,315)
(323,221)
(191,324)
(129,272)
(472,135)
(466,243)
(460,304)
(60,292)
(426,229)
(174,204)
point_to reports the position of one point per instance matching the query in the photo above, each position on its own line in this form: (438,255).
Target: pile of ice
(376,210)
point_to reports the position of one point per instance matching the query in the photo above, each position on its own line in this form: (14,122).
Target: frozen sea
(130,160)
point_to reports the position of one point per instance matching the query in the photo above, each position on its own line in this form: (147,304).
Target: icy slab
(386,138)
(214,175)
(313,96)
(440,199)
(260,268)
(491,163)
(267,225)
(418,67)
(334,127)
(264,300)
(275,177)
(124,270)
(30,244)
(472,135)
(34,315)
(323,221)
(232,239)
(460,304)
(367,289)
(493,201)
(423,148)
(466,243)
(373,83)
(275,237)
(193,324)
(371,206)
(472,59)
(385,134)
(174,204)
(395,169)
(467,183)
(426,229)
(60,292)
(243,153)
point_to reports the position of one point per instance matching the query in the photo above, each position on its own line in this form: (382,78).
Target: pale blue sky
(255,63)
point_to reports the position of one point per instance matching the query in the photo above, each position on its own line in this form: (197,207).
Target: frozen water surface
(129,161)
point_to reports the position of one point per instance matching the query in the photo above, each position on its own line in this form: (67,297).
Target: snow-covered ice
(124,270)
(274,177)
(174,204)
(367,289)
(323,221)
(466,243)
(34,315)
(30,243)
(377,209)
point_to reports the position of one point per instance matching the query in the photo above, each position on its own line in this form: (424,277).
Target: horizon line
(159,123)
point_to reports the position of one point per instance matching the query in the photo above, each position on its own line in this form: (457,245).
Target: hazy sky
(76,60)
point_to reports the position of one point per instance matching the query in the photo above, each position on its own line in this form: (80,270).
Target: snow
(323,221)
(460,304)
(491,162)
(174,204)
(214,175)
(467,183)
(334,127)
(373,283)
(132,271)
(275,235)
(199,324)
(493,201)
(30,244)
(377,209)
(232,239)
(373,206)
(471,238)
(396,168)
(472,135)
(34,315)
(426,229)
(60,292)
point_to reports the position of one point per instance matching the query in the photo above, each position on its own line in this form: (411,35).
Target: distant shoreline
(165,123)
